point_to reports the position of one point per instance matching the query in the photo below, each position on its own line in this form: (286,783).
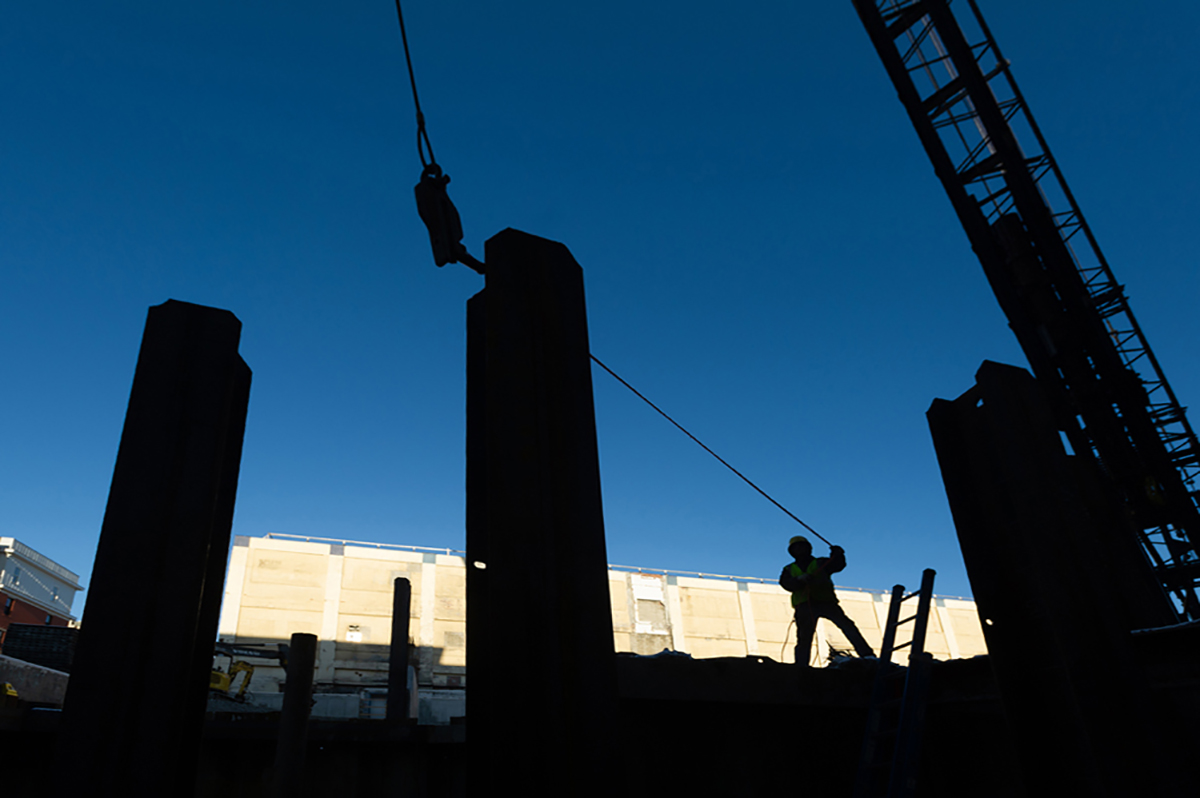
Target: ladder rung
(906,620)
(899,646)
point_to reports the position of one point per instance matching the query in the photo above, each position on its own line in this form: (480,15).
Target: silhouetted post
(397,695)
(134,709)
(1059,583)
(540,706)
(293,718)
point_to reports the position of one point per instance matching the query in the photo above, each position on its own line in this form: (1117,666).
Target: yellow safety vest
(820,589)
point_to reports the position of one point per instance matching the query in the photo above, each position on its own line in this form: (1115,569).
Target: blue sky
(767,253)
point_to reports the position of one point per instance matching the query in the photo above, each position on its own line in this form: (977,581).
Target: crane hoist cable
(445,235)
(433,202)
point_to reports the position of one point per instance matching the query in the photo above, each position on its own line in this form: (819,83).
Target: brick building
(33,588)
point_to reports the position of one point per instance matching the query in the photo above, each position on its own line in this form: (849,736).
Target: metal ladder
(887,765)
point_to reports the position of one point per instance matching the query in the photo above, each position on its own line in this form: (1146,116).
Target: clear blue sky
(767,253)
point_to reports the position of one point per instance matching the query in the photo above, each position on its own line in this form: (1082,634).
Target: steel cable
(700,443)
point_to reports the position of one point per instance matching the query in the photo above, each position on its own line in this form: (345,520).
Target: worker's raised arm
(836,561)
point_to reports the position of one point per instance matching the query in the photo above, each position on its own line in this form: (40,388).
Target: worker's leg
(838,617)
(806,625)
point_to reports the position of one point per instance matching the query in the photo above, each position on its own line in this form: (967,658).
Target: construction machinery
(221,681)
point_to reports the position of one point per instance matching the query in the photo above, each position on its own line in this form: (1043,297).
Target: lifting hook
(441,218)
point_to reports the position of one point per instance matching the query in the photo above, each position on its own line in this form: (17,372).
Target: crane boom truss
(1070,315)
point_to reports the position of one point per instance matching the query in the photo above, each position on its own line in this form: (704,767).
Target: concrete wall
(33,683)
(342,592)
(716,617)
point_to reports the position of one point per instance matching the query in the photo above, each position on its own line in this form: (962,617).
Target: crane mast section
(1071,317)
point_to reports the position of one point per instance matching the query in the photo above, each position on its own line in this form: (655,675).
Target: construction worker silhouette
(808,580)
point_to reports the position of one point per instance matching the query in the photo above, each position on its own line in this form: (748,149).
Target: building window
(49,618)
(8,605)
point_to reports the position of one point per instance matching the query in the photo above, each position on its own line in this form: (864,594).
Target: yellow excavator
(221,681)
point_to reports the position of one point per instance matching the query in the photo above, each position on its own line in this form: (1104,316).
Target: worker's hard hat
(799,539)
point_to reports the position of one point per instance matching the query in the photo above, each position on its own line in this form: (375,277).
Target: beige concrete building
(341,591)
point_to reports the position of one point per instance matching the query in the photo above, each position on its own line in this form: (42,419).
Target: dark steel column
(397,696)
(134,709)
(542,689)
(288,775)
(1059,584)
